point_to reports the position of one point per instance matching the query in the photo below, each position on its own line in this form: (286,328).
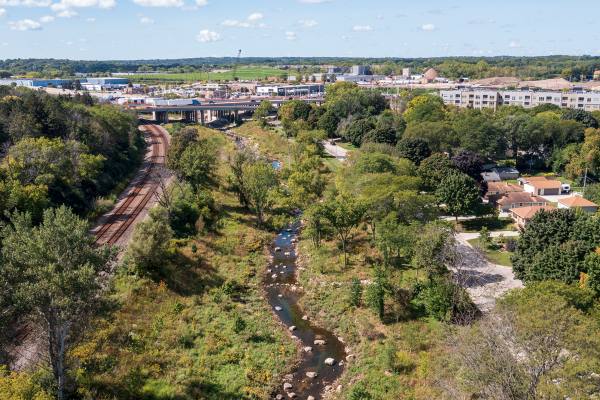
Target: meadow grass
(199,329)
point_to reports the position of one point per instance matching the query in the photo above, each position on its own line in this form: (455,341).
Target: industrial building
(492,98)
(290,90)
(36,83)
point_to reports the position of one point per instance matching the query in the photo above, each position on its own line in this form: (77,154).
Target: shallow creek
(323,355)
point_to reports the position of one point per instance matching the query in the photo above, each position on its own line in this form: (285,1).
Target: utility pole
(585,180)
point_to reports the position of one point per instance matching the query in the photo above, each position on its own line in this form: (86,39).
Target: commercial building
(36,83)
(290,90)
(492,98)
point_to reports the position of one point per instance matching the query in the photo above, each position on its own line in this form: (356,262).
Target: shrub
(355,292)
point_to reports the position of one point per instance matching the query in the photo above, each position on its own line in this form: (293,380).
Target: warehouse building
(290,90)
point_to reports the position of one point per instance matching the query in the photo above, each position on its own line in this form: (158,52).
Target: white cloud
(146,21)
(2,12)
(290,35)
(46,18)
(90,19)
(68,13)
(25,25)
(206,36)
(362,28)
(201,3)
(428,27)
(514,44)
(250,22)
(25,3)
(314,1)
(67,4)
(159,3)
(308,23)
(255,17)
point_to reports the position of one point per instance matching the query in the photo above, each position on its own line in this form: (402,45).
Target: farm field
(243,73)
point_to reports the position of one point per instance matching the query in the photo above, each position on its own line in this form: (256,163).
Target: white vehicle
(565,188)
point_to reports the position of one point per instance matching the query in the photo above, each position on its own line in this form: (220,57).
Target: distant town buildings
(96,84)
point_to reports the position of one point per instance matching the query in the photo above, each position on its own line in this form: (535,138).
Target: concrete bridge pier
(189,116)
(161,117)
(200,116)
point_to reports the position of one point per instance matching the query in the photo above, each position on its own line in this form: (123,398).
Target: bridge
(211,109)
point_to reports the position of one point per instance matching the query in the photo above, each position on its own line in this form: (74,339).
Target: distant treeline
(569,67)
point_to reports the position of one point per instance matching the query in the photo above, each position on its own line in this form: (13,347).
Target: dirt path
(484,281)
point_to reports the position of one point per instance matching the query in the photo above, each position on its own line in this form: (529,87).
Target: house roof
(545,184)
(520,197)
(528,212)
(503,187)
(576,201)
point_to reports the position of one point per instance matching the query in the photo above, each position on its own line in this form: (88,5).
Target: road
(483,280)
(116,226)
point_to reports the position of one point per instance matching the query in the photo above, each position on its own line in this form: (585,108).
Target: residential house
(497,190)
(579,203)
(506,173)
(542,186)
(519,199)
(522,215)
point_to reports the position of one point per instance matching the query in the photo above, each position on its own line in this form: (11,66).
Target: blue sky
(137,29)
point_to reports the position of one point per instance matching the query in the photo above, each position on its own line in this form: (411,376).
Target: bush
(355,292)
(445,301)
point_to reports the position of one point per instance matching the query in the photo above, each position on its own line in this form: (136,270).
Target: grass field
(243,73)
(499,257)
(414,340)
(270,141)
(492,224)
(180,336)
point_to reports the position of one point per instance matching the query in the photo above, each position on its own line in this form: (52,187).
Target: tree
(435,249)
(555,245)
(469,163)
(434,169)
(582,116)
(259,181)
(264,109)
(459,193)
(53,273)
(343,213)
(394,239)
(439,135)
(534,345)
(196,165)
(424,108)
(413,149)
(376,291)
(355,130)
(148,249)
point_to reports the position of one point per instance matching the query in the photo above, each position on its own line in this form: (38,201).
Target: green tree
(148,250)
(53,272)
(413,149)
(434,169)
(424,108)
(343,213)
(377,290)
(439,135)
(459,194)
(259,181)
(261,113)
(197,164)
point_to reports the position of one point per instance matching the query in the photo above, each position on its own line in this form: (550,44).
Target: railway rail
(125,213)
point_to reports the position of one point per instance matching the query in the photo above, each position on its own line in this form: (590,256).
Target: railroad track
(121,218)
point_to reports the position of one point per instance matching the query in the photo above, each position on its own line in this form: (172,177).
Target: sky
(145,29)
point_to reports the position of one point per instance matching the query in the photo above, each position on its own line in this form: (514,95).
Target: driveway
(336,151)
(483,280)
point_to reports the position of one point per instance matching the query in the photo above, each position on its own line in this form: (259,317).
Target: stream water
(315,371)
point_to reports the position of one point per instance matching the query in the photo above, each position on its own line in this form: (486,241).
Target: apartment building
(491,98)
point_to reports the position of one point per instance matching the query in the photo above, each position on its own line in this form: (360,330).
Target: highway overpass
(208,109)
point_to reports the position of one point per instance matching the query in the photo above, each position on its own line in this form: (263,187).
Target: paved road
(336,151)
(484,281)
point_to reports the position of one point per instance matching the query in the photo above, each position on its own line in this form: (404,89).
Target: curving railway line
(115,224)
